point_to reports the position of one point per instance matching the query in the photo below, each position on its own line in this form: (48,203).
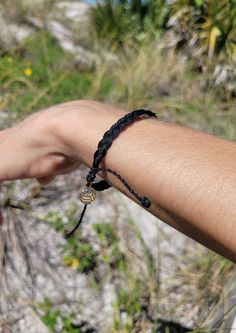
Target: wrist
(80,125)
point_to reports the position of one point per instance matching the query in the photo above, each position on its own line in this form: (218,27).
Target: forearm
(189,176)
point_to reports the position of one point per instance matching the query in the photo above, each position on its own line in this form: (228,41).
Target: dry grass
(164,82)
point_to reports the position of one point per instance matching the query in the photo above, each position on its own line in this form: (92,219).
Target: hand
(31,149)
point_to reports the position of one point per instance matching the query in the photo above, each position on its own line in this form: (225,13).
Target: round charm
(88,195)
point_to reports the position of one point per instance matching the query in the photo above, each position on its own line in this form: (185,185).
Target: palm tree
(205,26)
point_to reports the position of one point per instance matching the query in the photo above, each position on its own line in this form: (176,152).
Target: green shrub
(52,316)
(79,255)
(117,23)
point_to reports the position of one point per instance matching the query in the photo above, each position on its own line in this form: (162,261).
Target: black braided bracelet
(88,193)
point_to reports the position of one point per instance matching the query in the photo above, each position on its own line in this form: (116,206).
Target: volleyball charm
(88,195)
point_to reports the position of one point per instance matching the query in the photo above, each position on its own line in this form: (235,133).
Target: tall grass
(147,76)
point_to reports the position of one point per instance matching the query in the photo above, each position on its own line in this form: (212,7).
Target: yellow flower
(74,263)
(28,71)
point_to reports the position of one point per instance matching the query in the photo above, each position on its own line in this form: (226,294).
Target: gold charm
(88,195)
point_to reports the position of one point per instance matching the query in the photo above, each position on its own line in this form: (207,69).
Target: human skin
(189,176)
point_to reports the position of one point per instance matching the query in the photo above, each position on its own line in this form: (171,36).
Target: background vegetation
(175,57)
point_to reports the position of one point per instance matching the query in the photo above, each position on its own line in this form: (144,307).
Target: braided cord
(110,135)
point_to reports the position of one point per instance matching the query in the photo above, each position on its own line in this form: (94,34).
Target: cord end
(67,235)
(145,202)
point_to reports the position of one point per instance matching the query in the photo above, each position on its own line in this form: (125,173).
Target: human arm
(188,175)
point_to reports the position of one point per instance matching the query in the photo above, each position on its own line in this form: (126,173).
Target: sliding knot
(145,202)
(100,186)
